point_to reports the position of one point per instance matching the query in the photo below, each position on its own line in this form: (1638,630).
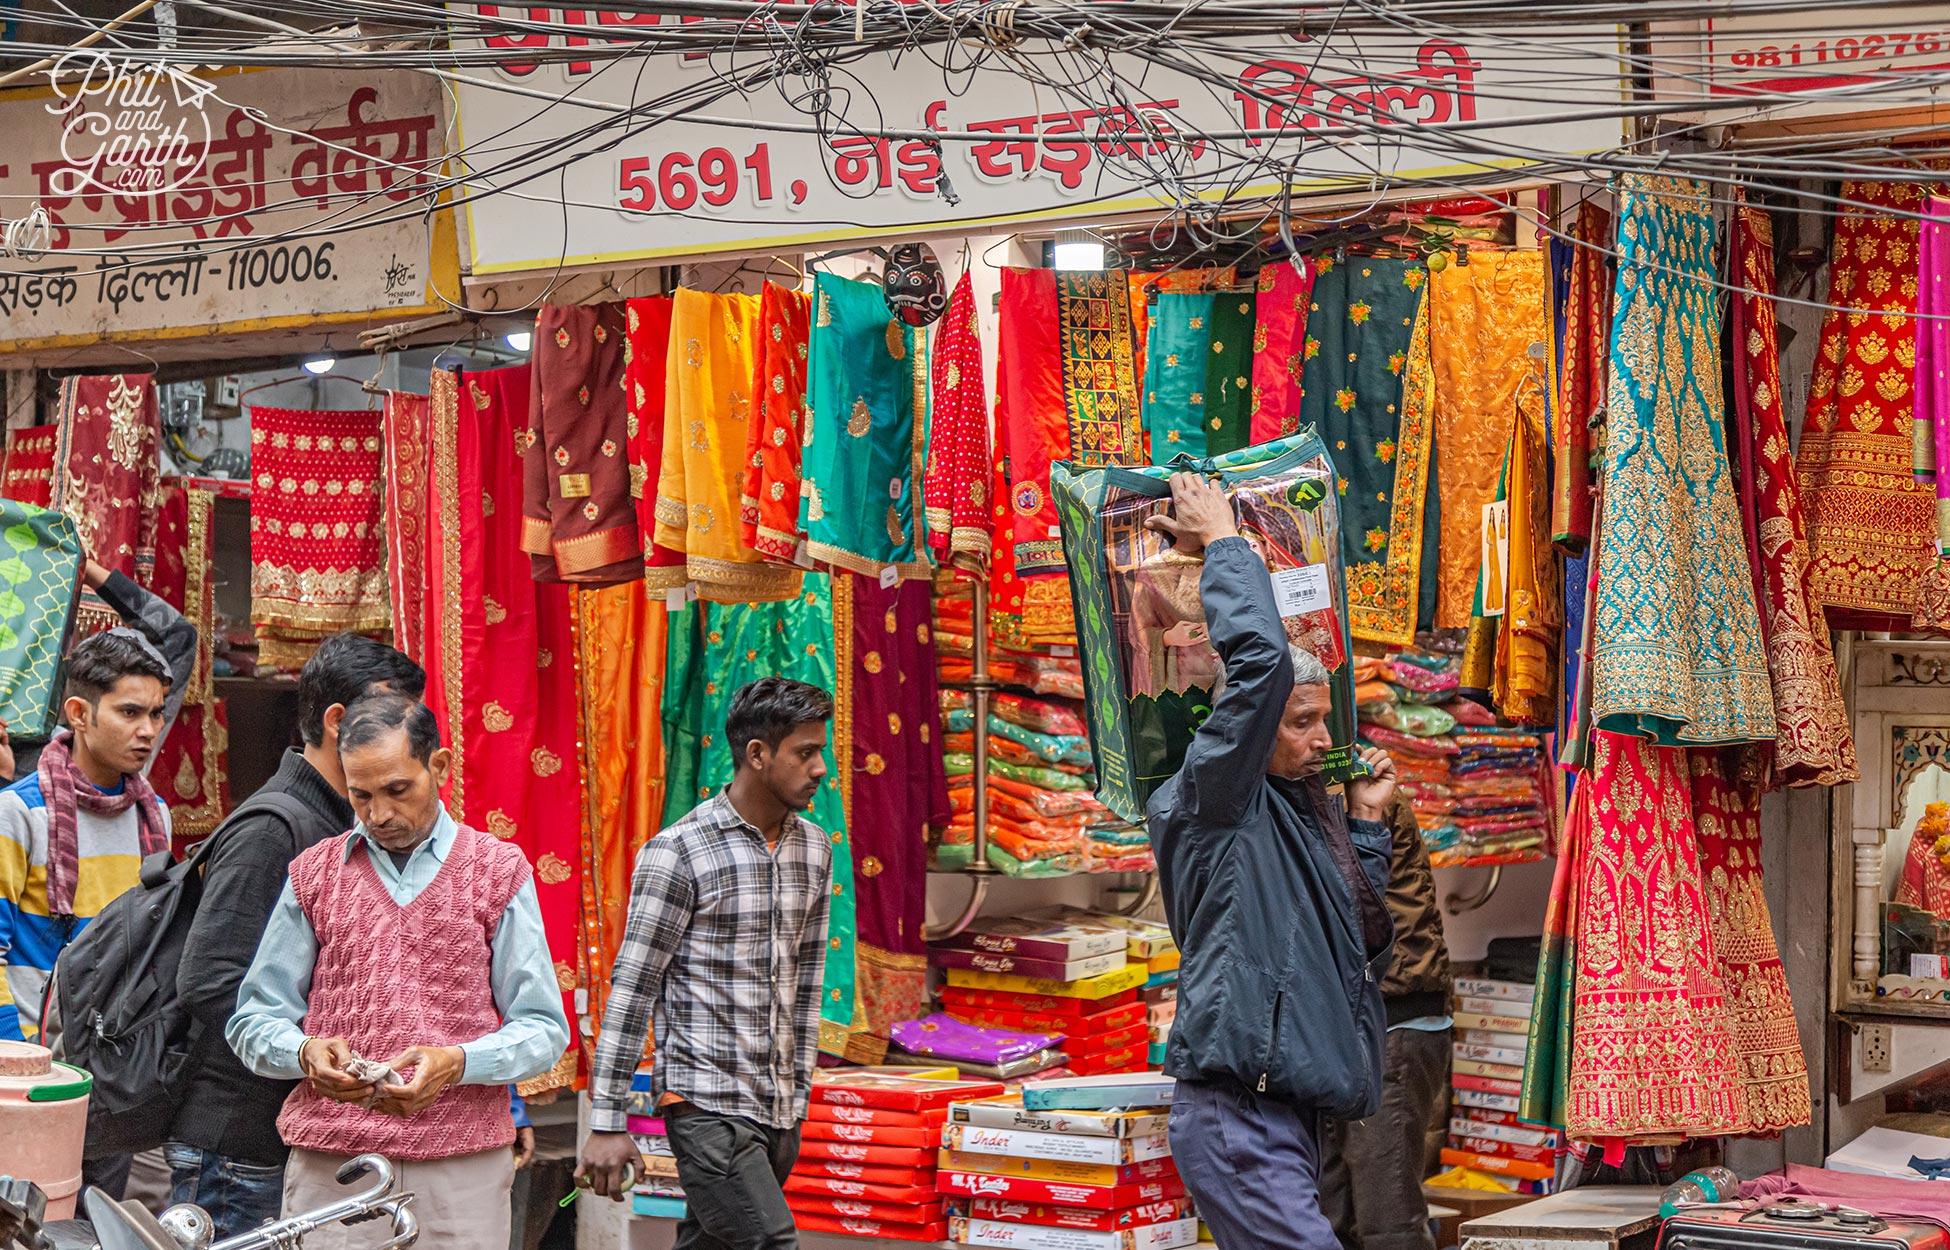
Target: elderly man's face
(1303,742)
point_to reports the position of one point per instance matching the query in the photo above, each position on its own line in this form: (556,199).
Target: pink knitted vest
(389,977)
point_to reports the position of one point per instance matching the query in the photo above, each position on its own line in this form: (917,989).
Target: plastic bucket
(43,1122)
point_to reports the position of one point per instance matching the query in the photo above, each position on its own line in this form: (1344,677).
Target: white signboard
(184,190)
(690,186)
(1814,49)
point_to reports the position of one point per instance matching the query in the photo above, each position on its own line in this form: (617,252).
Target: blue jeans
(239,1196)
(1253,1166)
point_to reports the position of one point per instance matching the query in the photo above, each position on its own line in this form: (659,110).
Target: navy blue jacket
(1274,896)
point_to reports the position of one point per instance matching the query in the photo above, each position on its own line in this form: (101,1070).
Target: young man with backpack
(223,1146)
(74,832)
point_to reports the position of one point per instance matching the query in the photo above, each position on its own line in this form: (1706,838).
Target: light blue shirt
(266,1031)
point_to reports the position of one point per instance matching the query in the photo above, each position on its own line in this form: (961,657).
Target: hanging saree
(1871,531)
(1228,374)
(715,651)
(955,489)
(1525,685)
(866,426)
(1093,309)
(107,470)
(1282,307)
(646,357)
(620,633)
(407,461)
(1546,1093)
(1726,789)
(892,783)
(1813,744)
(708,377)
(1484,316)
(41,578)
(1652,1053)
(1031,422)
(1930,424)
(769,503)
(1584,348)
(318,531)
(1361,332)
(28,474)
(501,673)
(1143,283)
(579,518)
(1678,654)
(190,769)
(1175,377)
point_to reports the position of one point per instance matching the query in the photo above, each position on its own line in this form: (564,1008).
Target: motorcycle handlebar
(376,1199)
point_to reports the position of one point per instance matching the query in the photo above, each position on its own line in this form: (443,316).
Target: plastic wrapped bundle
(1151,672)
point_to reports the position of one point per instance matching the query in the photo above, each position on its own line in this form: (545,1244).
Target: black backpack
(112,1008)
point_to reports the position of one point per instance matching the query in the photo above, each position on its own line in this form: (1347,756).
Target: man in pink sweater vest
(416,942)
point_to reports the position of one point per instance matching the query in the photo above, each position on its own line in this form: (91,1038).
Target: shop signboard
(1839,61)
(179,205)
(575,182)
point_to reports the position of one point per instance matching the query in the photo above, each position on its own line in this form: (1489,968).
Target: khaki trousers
(461,1203)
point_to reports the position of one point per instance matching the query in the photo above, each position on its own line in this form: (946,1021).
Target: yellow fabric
(1526,648)
(708,378)
(1483,318)
(620,637)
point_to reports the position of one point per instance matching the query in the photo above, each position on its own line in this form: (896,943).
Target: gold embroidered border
(444,416)
(866,566)
(534,535)
(732,581)
(198,601)
(561,1076)
(776,544)
(665,576)
(597,550)
(1383,599)
(843,695)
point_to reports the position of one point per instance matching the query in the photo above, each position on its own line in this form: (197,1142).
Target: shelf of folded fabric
(1481,790)
(1044,820)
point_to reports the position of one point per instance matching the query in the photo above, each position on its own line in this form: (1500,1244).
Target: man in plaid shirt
(725,949)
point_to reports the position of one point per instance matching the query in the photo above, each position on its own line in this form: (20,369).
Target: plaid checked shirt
(725,948)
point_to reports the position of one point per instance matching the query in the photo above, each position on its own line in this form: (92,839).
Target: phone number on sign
(1846,48)
(714,177)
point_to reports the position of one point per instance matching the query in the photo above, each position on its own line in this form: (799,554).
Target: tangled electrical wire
(591,83)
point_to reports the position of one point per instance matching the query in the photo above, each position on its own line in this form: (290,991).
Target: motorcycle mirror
(124,1225)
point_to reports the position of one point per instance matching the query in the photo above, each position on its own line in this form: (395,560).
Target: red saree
(107,470)
(1871,525)
(769,502)
(1582,378)
(189,769)
(1726,812)
(892,781)
(955,487)
(646,346)
(1032,422)
(1652,1054)
(406,518)
(501,667)
(1813,744)
(1286,290)
(318,530)
(28,476)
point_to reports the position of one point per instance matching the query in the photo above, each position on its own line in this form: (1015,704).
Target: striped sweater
(30,939)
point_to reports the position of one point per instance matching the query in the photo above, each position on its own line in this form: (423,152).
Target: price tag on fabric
(801,556)
(888,576)
(690,591)
(1303,590)
(675,599)
(1062,653)
(1494,581)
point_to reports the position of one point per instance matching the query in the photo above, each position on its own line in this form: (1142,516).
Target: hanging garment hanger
(296,377)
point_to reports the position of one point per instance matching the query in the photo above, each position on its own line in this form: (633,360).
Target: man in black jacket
(1274,891)
(224,1150)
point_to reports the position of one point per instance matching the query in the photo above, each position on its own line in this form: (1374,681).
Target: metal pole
(982,686)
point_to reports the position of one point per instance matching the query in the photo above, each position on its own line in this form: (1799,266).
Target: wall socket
(1876,1048)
